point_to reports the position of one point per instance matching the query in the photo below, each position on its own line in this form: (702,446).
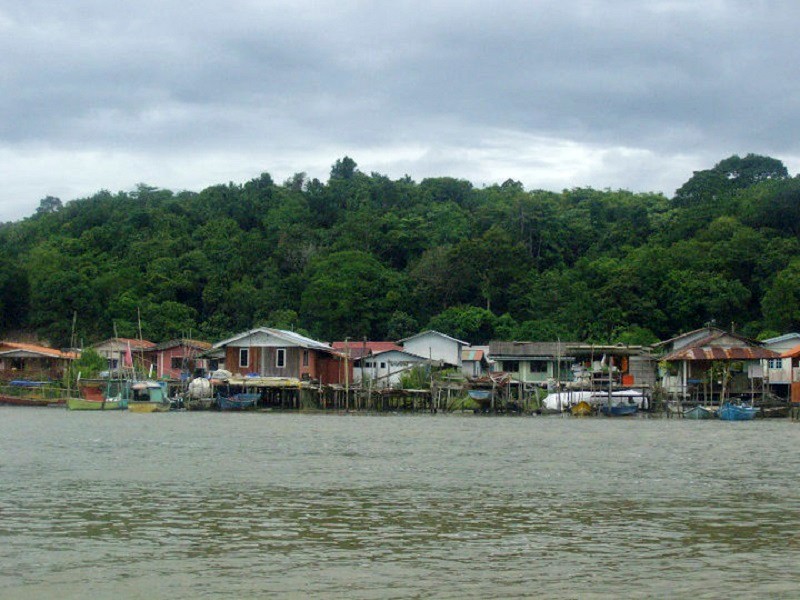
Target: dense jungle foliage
(363,255)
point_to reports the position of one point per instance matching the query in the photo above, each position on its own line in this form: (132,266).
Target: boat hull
(733,412)
(22,401)
(83,404)
(697,413)
(621,410)
(237,402)
(582,409)
(148,407)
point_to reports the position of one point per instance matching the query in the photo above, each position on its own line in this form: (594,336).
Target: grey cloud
(666,79)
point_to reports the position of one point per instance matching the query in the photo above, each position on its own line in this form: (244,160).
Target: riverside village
(702,374)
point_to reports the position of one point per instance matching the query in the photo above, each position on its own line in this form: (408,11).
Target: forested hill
(364,255)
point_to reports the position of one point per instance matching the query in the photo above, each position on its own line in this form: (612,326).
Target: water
(209,505)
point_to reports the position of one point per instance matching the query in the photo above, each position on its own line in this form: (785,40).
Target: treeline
(367,256)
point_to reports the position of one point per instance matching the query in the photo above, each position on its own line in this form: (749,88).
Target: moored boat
(619,410)
(582,409)
(148,397)
(698,412)
(94,404)
(237,401)
(737,412)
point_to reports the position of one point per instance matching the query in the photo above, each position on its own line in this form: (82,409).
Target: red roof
(37,349)
(719,353)
(793,353)
(356,348)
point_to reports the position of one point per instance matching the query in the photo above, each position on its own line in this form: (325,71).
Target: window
(305,358)
(511,366)
(177,362)
(538,366)
(244,357)
(775,363)
(280,358)
(383,365)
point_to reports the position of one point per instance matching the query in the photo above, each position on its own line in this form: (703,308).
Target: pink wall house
(177,358)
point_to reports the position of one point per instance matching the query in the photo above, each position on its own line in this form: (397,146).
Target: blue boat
(237,401)
(737,412)
(620,410)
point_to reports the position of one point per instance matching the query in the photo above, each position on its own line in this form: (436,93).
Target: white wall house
(435,346)
(779,370)
(384,369)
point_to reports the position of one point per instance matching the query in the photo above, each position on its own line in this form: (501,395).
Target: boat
(698,412)
(737,412)
(582,409)
(198,395)
(619,410)
(237,401)
(99,395)
(148,397)
(22,392)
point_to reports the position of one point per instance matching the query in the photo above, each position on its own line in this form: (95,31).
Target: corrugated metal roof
(529,348)
(707,353)
(357,349)
(793,353)
(197,344)
(434,332)
(35,349)
(289,336)
(471,354)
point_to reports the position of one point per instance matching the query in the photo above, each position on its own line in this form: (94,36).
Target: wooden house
(435,346)
(709,362)
(578,364)
(384,369)
(778,371)
(20,360)
(178,359)
(270,352)
(475,361)
(791,358)
(116,351)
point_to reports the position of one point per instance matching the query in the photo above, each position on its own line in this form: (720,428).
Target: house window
(305,358)
(538,366)
(511,366)
(176,362)
(244,357)
(280,358)
(775,363)
(383,365)
(112,363)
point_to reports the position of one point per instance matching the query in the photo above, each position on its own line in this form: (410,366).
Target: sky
(97,94)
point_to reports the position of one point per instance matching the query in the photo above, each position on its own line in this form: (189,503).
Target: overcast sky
(97,94)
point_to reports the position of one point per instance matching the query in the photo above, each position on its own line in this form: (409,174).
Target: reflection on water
(215,505)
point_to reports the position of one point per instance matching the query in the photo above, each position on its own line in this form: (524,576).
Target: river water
(211,505)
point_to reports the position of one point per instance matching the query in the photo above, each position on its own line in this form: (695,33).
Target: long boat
(697,413)
(237,401)
(619,410)
(737,412)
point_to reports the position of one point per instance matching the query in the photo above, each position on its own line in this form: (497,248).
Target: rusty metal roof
(707,353)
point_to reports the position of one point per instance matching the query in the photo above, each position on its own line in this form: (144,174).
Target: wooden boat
(237,401)
(199,403)
(619,410)
(698,412)
(94,404)
(148,397)
(582,409)
(737,412)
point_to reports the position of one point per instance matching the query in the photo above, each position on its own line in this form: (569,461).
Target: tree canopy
(364,255)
